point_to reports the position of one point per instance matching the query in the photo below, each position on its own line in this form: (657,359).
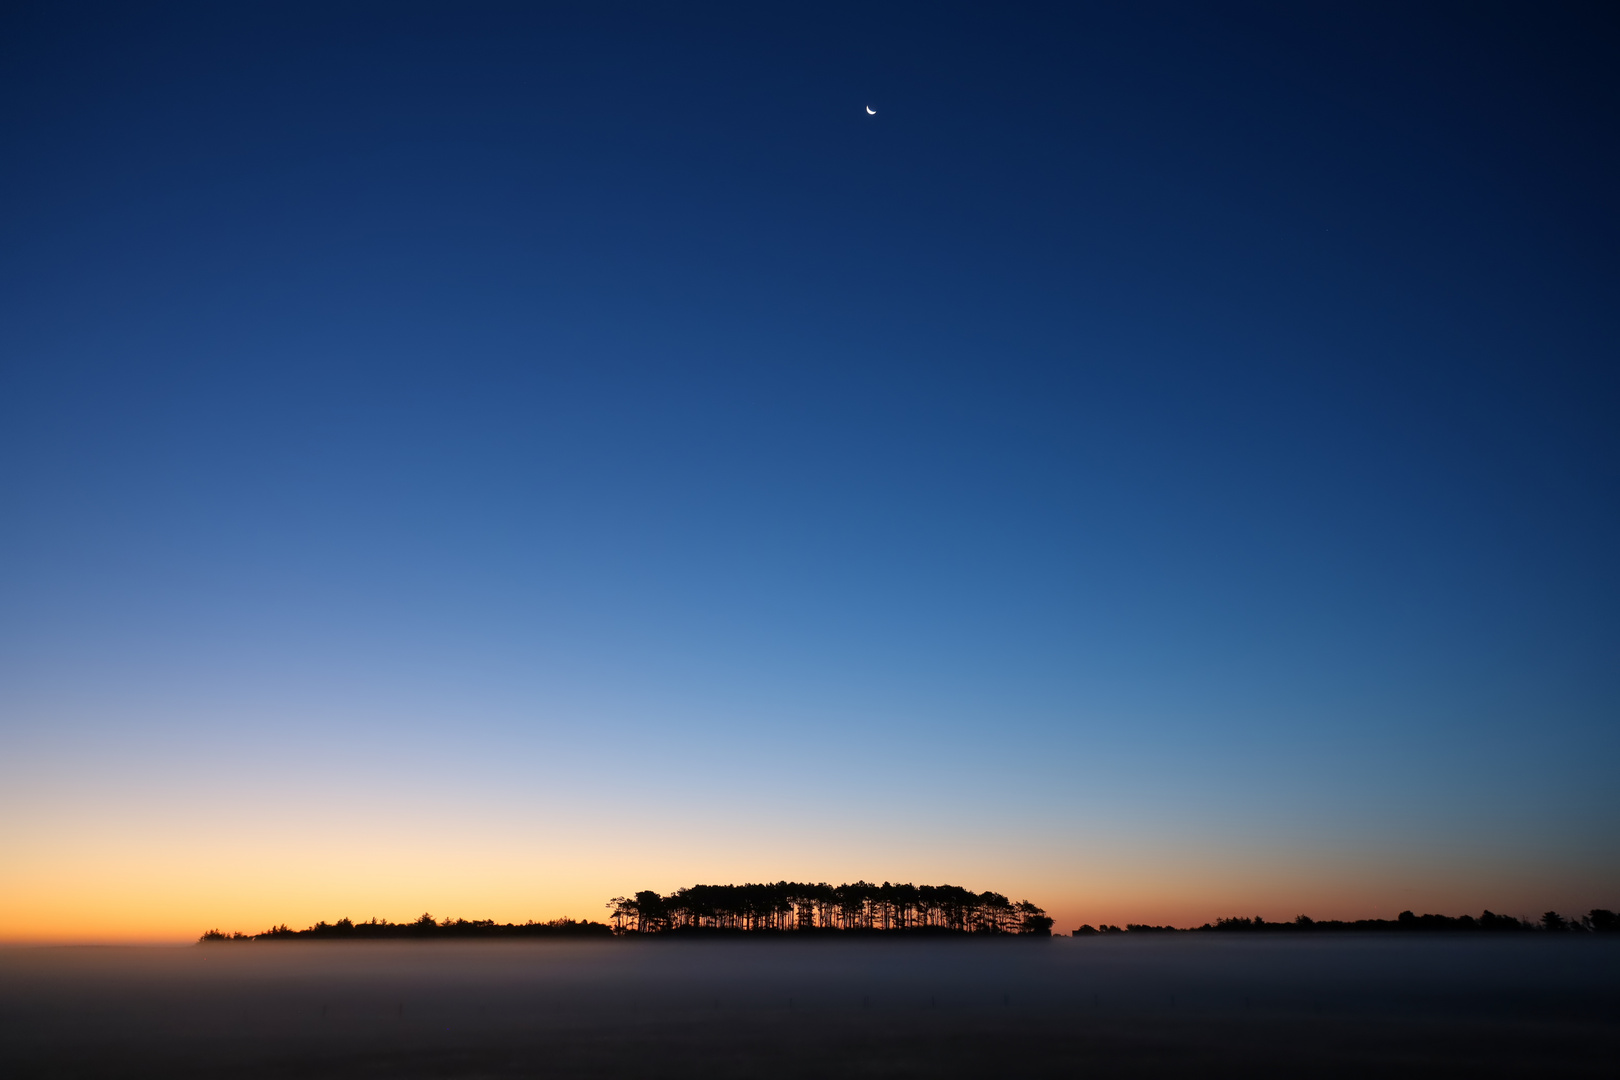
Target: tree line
(1596,921)
(797,906)
(789,906)
(425,927)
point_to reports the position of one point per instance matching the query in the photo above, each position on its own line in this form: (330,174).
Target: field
(1193,1005)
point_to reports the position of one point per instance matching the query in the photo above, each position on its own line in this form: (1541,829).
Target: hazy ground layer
(1194,1005)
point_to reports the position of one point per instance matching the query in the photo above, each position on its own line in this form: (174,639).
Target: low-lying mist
(814,1008)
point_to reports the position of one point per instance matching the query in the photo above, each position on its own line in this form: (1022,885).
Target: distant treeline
(862,907)
(1596,921)
(425,927)
(794,906)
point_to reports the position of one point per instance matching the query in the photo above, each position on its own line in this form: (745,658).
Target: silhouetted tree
(796,906)
(424,927)
(1491,921)
(1405,921)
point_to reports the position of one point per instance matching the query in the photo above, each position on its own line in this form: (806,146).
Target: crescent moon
(871,111)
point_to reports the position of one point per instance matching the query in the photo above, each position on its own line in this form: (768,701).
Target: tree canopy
(796,906)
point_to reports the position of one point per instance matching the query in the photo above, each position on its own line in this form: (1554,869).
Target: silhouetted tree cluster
(1597,921)
(791,906)
(425,927)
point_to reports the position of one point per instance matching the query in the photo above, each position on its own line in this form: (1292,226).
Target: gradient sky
(487,458)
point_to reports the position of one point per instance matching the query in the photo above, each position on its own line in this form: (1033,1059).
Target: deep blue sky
(1183,429)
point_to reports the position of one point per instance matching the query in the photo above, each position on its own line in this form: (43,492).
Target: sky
(490,458)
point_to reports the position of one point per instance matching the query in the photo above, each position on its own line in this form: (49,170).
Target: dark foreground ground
(1186,1006)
